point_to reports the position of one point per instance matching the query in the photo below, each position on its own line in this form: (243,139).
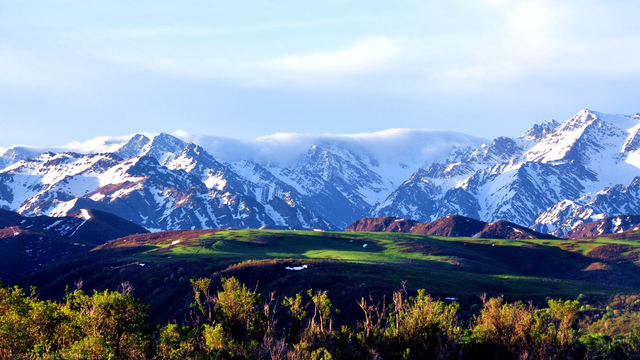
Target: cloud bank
(413,147)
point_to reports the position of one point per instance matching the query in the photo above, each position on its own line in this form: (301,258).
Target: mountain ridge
(552,178)
(450,226)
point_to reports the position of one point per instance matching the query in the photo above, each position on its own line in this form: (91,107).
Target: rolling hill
(349,265)
(450,225)
(29,244)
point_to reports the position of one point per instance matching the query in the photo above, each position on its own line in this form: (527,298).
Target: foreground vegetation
(228,320)
(345,300)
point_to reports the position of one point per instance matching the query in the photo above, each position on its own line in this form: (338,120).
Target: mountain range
(553,178)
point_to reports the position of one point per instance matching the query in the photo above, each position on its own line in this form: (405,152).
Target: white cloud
(529,41)
(413,146)
(364,55)
(98,144)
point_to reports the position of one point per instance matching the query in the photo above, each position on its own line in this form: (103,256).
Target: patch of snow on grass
(175,242)
(296,268)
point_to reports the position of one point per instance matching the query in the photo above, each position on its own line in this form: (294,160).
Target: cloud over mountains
(414,146)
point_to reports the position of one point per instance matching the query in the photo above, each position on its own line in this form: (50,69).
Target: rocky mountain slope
(450,225)
(606,226)
(553,178)
(29,244)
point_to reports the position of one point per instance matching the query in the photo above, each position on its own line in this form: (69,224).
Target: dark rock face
(382,224)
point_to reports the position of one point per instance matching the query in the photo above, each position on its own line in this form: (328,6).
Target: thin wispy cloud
(314,67)
(363,56)
(182,31)
(533,40)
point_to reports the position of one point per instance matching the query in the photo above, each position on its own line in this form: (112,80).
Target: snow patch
(85,214)
(296,268)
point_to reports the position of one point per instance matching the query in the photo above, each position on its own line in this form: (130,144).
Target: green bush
(236,322)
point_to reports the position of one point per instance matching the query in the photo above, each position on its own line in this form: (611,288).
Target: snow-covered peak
(538,131)
(581,137)
(192,157)
(163,147)
(133,147)
(16,153)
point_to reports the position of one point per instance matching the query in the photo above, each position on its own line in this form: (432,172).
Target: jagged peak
(194,148)
(587,112)
(163,147)
(138,138)
(587,116)
(133,147)
(16,153)
(164,138)
(538,131)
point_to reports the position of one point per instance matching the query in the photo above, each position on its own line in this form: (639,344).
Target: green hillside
(349,265)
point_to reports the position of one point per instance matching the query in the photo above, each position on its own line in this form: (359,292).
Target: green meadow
(350,265)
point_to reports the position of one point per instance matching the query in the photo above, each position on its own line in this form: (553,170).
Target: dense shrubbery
(238,323)
(106,324)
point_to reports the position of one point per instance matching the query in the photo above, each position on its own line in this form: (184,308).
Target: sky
(72,70)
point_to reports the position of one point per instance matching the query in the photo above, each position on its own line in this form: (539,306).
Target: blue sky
(73,70)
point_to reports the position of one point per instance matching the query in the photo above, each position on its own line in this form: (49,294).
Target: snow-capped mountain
(16,153)
(552,178)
